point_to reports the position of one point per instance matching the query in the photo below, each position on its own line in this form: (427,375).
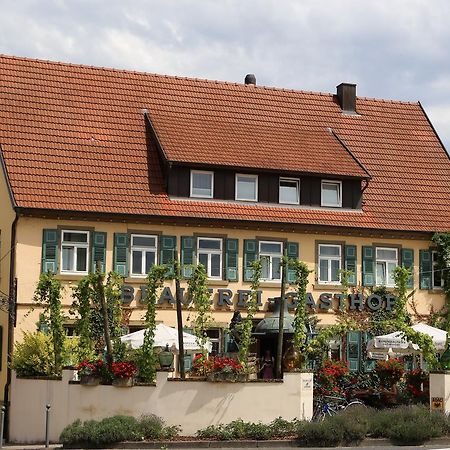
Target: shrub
(116,429)
(280,427)
(320,434)
(415,425)
(354,423)
(34,356)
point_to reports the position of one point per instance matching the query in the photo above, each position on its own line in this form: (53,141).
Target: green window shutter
(231,259)
(167,252)
(292,253)
(408,262)
(98,249)
(50,246)
(187,255)
(250,255)
(367,364)
(350,263)
(353,350)
(121,244)
(425,268)
(368,266)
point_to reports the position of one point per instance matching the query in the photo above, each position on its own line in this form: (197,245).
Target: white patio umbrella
(397,343)
(164,335)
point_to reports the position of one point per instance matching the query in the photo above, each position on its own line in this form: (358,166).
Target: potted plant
(227,369)
(90,372)
(389,372)
(123,373)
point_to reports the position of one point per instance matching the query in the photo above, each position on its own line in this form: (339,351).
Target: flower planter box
(89,380)
(123,382)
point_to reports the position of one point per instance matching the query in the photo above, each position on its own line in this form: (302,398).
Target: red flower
(124,369)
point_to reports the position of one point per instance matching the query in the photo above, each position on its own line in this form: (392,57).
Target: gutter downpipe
(11,321)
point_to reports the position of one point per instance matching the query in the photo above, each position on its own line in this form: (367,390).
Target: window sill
(436,291)
(70,277)
(330,287)
(134,279)
(218,282)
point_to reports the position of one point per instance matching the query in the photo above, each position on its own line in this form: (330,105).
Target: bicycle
(329,405)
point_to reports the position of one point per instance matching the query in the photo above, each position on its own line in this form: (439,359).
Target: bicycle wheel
(318,413)
(355,404)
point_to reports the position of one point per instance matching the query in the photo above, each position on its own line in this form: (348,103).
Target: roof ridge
(196,79)
(175,77)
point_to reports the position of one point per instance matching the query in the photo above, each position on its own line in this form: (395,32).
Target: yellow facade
(7,216)
(29,237)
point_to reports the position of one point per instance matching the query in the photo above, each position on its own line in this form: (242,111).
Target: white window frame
(297,181)
(270,255)
(143,249)
(75,246)
(336,183)
(329,258)
(385,261)
(209,252)
(212,183)
(246,175)
(434,269)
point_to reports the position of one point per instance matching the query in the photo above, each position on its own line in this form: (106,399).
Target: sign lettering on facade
(227,298)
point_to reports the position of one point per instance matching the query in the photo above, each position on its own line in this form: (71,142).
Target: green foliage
(146,359)
(301,280)
(252,307)
(239,429)
(87,308)
(401,277)
(114,429)
(34,356)
(408,425)
(200,296)
(328,433)
(442,241)
(71,355)
(48,296)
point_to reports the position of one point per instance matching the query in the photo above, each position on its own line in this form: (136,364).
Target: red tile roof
(74,138)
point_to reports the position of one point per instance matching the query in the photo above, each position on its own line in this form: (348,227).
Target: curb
(279,443)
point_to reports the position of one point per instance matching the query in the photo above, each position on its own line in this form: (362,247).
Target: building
(129,168)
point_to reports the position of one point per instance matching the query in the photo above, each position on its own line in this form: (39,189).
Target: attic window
(202,184)
(289,190)
(331,193)
(247,187)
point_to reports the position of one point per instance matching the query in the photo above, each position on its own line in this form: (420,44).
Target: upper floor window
(330,260)
(143,254)
(209,254)
(74,251)
(386,262)
(289,191)
(202,184)
(436,273)
(247,187)
(270,254)
(331,193)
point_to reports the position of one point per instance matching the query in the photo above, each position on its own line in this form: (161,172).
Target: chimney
(346,93)
(250,79)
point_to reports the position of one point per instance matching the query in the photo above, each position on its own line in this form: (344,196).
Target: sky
(392,49)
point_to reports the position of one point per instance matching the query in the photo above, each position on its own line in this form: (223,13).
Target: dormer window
(202,184)
(289,191)
(247,187)
(331,194)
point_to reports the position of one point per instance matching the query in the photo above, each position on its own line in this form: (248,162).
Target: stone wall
(189,404)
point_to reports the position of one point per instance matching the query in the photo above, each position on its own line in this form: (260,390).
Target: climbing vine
(199,295)
(48,296)
(87,307)
(146,359)
(442,241)
(252,307)
(301,280)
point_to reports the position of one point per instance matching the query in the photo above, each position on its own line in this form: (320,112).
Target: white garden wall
(189,404)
